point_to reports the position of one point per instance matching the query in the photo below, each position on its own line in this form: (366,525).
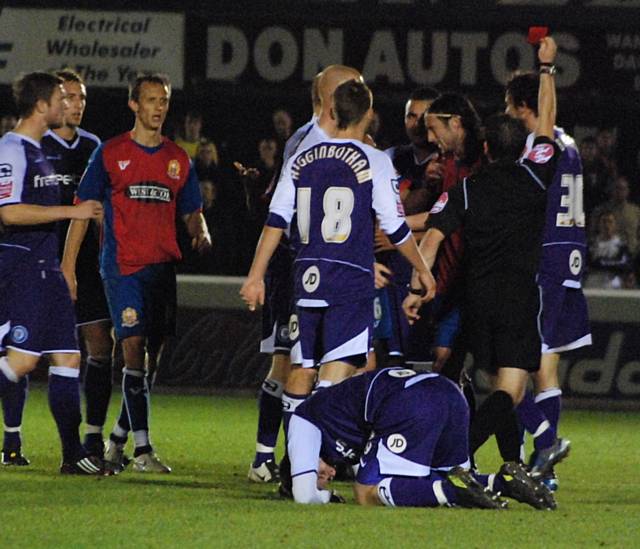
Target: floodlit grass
(207,501)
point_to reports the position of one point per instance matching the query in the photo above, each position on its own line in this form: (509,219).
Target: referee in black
(502,212)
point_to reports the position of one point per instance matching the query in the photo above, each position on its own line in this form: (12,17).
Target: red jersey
(142,190)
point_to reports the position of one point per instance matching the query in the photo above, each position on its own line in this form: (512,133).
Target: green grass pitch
(207,501)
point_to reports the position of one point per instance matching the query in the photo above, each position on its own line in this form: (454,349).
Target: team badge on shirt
(173,169)
(129,317)
(541,153)
(440,204)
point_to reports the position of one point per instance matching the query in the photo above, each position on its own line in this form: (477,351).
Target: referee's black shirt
(502,211)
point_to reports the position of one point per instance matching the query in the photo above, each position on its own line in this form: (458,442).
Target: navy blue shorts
(278,308)
(335,333)
(398,341)
(38,313)
(143,303)
(416,432)
(91,305)
(565,318)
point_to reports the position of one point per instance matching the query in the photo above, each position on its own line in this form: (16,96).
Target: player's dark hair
(505,136)
(154,78)
(30,88)
(424,94)
(69,75)
(458,105)
(522,88)
(351,101)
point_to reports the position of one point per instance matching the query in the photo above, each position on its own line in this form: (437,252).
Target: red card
(536,34)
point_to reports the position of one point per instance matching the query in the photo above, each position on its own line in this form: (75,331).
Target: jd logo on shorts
(405,372)
(311,279)
(396,443)
(575,262)
(294,328)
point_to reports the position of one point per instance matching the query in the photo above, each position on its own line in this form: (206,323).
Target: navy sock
(493,482)
(508,437)
(8,377)
(550,403)
(97,390)
(12,407)
(136,397)
(269,419)
(64,402)
(489,418)
(431,491)
(535,423)
(122,427)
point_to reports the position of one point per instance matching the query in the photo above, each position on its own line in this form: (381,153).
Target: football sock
(290,402)
(535,423)
(508,437)
(8,377)
(135,392)
(12,406)
(269,419)
(64,402)
(430,491)
(97,390)
(550,403)
(121,429)
(493,482)
(489,418)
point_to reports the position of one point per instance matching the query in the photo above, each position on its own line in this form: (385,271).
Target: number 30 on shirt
(572,201)
(337,205)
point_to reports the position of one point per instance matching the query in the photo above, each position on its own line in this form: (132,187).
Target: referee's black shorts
(502,324)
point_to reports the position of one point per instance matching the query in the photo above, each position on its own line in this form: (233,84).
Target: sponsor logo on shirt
(6,188)
(440,204)
(41,181)
(122,164)
(149,191)
(6,170)
(173,169)
(541,153)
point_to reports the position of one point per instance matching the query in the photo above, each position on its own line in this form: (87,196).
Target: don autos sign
(104,47)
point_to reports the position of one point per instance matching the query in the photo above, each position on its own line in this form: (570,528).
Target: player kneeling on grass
(408,432)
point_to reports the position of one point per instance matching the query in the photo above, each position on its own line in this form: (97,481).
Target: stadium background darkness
(237,115)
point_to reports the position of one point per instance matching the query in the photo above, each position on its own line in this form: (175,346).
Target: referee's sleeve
(447,214)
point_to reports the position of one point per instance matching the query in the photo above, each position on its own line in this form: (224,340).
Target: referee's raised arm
(547,90)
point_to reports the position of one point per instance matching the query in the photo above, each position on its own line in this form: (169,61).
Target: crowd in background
(235,204)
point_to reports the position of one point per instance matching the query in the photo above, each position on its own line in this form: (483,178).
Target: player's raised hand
(411,306)
(90,209)
(201,242)
(381,275)
(252,293)
(548,50)
(72,282)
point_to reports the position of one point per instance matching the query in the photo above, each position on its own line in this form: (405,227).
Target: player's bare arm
(33,214)
(252,291)
(75,235)
(422,277)
(197,229)
(547,92)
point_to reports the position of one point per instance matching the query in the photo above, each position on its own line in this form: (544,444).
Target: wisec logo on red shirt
(440,204)
(541,154)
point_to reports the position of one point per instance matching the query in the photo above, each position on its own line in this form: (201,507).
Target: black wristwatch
(416,291)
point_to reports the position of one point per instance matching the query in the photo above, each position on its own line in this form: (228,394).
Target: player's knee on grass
(366,494)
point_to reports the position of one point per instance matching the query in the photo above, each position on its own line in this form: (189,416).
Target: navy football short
(143,303)
(91,305)
(417,431)
(278,307)
(565,318)
(397,342)
(335,333)
(502,323)
(38,313)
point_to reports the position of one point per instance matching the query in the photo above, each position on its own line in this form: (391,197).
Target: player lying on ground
(408,432)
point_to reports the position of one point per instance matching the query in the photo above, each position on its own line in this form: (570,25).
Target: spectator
(7,123)
(607,142)
(626,213)
(282,124)
(190,135)
(595,176)
(609,257)
(206,160)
